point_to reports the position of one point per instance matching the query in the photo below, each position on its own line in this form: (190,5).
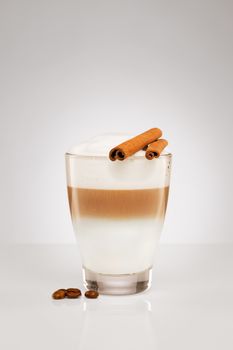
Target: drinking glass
(117,210)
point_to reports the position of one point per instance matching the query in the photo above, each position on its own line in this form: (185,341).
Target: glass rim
(75,155)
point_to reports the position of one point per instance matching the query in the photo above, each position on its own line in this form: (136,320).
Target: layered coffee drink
(117,210)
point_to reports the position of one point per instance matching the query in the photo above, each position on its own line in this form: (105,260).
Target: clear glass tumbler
(117,210)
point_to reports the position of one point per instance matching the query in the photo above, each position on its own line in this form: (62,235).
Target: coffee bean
(73,293)
(91,294)
(59,294)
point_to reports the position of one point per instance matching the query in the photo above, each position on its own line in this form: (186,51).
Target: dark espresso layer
(125,204)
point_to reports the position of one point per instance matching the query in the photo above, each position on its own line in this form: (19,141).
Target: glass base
(121,284)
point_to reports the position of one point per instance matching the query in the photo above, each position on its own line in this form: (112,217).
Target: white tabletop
(189,306)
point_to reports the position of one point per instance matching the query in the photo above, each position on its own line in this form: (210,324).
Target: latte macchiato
(117,208)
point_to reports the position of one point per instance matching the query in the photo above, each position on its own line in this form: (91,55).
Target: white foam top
(96,170)
(101,145)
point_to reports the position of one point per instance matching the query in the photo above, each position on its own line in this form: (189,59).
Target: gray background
(69,68)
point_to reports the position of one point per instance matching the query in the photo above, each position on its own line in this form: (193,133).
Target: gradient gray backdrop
(72,68)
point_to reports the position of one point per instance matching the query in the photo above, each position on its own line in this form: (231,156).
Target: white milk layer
(90,167)
(111,246)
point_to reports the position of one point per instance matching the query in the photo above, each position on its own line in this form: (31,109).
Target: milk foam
(90,167)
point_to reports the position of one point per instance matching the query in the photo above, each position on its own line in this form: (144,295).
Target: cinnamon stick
(154,149)
(131,146)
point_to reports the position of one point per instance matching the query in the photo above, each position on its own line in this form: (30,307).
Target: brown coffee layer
(115,204)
